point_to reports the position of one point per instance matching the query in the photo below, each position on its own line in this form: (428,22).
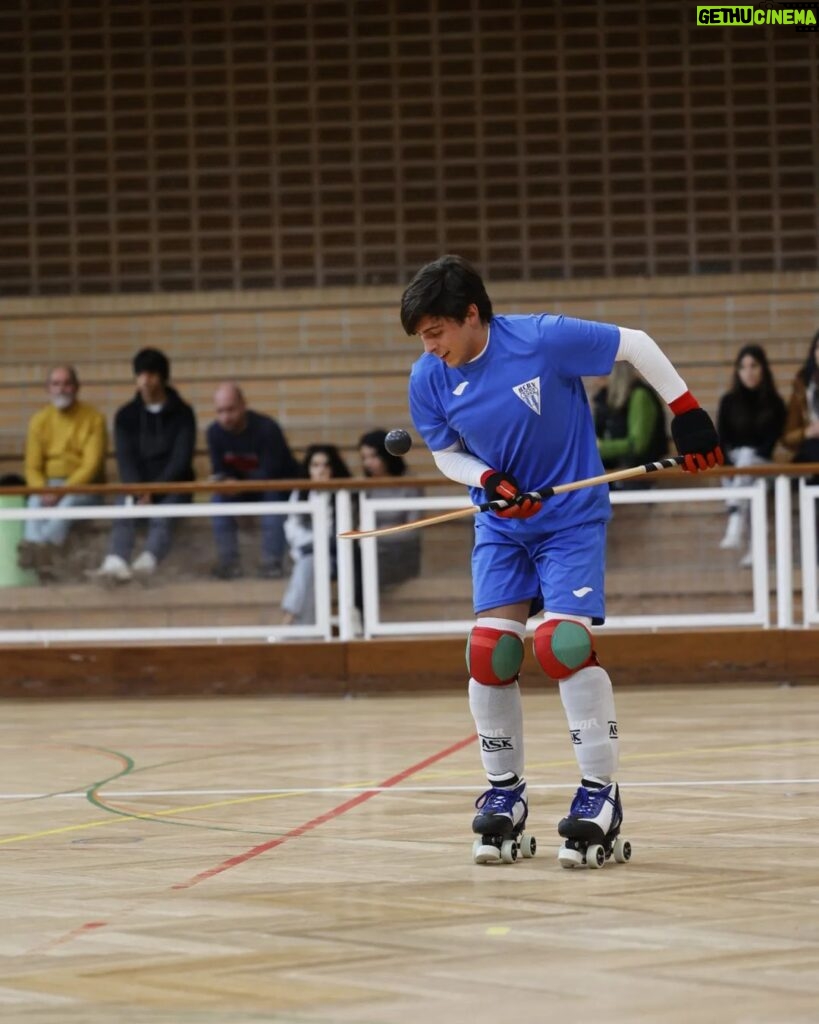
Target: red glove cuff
(685,403)
(485,476)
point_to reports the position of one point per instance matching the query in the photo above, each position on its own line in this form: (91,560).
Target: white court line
(308,790)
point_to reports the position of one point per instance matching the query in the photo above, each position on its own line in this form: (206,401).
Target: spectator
(154,436)
(399,554)
(321,462)
(65,445)
(801,433)
(628,420)
(246,445)
(749,422)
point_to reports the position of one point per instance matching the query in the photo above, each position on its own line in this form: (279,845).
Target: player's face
(452,342)
(750,372)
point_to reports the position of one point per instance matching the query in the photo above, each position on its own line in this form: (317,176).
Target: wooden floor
(308,861)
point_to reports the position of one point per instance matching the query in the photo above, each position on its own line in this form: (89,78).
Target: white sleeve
(645,355)
(460,466)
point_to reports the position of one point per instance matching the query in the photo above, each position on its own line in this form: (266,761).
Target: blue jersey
(521,408)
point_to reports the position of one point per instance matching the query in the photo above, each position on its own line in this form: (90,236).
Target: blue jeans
(226,529)
(158,542)
(53,531)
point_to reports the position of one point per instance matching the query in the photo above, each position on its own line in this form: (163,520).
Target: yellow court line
(119,819)
(429,775)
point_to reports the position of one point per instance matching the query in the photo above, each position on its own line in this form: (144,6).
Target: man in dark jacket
(247,445)
(154,436)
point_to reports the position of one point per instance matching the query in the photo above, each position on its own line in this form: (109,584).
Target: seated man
(247,445)
(65,445)
(154,436)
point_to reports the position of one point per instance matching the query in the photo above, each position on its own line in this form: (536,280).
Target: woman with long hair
(321,462)
(749,421)
(802,423)
(628,420)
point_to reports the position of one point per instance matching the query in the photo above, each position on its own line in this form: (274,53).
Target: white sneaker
(145,565)
(747,559)
(734,532)
(114,568)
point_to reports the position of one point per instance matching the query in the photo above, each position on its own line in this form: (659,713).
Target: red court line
(336,812)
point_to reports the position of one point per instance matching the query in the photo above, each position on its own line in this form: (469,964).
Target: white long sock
(499,720)
(588,701)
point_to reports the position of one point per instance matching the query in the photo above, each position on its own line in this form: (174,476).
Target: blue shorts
(564,569)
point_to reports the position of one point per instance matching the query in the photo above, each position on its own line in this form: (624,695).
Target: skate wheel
(509,851)
(569,858)
(528,846)
(595,856)
(485,853)
(622,850)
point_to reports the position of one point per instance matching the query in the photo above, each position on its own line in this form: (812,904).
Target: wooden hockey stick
(497,506)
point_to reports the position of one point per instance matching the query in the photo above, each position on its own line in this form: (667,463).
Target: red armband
(685,403)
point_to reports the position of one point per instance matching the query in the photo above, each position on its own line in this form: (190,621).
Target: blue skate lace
(588,803)
(498,801)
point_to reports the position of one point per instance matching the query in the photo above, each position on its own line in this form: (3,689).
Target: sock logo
(492,743)
(584,723)
(575,735)
(613,734)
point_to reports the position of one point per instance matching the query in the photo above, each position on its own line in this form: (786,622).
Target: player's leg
(502,577)
(564,648)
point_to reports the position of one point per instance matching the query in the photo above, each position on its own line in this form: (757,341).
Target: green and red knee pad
(562,647)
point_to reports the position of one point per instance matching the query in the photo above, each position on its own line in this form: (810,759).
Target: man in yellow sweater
(65,444)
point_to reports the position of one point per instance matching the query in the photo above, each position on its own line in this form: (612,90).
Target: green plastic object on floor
(11,533)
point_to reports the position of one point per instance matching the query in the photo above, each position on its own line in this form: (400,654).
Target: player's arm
(465,468)
(692,428)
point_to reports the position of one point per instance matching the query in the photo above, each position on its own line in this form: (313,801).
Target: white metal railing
(345,624)
(316,507)
(808,493)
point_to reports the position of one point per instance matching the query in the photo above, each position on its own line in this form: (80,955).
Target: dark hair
(375,439)
(151,360)
(811,369)
(447,288)
(338,467)
(767,387)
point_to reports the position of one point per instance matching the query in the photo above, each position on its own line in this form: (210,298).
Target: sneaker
(226,571)
(271,571)
(114,568)
(502,811)
(747,559)
(145,565)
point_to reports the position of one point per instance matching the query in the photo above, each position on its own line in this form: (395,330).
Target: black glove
(696,438)
(504,487)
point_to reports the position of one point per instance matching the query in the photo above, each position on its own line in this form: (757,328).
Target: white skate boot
(499,826)
(591,829)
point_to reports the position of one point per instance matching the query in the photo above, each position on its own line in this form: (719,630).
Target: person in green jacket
(628,420)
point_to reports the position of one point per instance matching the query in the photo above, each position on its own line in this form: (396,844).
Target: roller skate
(591,829)
(499,826)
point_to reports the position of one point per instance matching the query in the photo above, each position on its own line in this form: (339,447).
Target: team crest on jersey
(529,392)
